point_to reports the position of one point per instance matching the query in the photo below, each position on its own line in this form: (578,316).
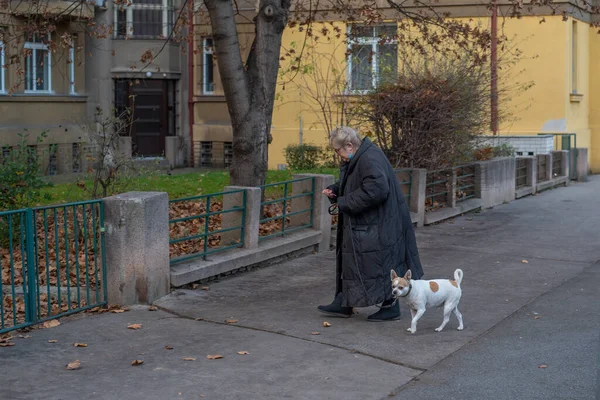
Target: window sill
(575,97)
(42,98)
(207,98)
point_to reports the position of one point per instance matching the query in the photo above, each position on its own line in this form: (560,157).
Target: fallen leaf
(117,311)
(195,286)
(153,308)
(134,326)
(137,362)
(315,333)
(79,344)
(525,262)
(215,357)
(231,321)
(52,341)
(205,288)
(168,347)
(242,353)
(74,365)
(326,324)
(198,319)
(6,344)
(189,358)
(543,366)
(50,324)
(24,336)
(536,317)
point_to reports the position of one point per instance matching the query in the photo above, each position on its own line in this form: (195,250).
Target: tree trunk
(249,89)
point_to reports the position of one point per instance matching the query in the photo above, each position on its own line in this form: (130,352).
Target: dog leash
(334,210)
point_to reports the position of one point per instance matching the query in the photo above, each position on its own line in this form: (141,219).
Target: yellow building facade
(558,57)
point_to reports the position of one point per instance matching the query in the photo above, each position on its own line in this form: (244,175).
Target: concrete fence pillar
(251,215)
(321,220)
(495,181)
(417,194)
(451,188)
(137,247)
(581,164)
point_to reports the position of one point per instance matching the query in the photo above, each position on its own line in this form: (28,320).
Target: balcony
(71,9)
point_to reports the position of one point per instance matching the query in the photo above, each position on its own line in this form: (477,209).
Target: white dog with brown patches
(421,294)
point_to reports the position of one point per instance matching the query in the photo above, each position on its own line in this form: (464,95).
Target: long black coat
(374,215)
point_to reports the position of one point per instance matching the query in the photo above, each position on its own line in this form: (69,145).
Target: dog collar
(409,289)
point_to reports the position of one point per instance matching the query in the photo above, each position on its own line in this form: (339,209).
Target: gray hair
(343,135)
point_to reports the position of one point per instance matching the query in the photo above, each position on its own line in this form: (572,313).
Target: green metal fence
(542,174)
(405,178)
(277,214)
(198,229)
(52,262)
(437,188)
(465,182)
(521,173)
(566,141)
(557,164)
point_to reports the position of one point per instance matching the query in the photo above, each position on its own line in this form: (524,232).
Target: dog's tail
(458,275)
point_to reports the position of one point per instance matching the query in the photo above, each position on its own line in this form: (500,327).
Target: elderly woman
(375,232)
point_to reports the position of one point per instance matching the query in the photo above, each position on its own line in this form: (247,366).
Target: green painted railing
(268,207)
(465,182)
(52,262)
(202,225)
(437,188)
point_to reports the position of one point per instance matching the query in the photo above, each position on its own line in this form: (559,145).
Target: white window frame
(374,42)
(72,90)
(207,51)
(2,69)
(166,6)
(34,47)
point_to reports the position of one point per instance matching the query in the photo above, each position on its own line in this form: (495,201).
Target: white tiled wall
(524,145)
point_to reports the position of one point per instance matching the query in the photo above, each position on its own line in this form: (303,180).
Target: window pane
(208,73)
(358,31)
(147,23)
(386,31)
(121,23)
(159,2)
(361,73)
(388,63)
(29,79)
(42,70)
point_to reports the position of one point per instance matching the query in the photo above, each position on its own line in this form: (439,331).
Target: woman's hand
(329,193)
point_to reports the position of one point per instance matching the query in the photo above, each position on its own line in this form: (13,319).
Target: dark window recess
(228,154)
(121,23)
(53,152)
(519,153)
(206,150)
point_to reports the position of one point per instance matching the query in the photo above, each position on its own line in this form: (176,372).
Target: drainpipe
(191,81)
(494,72)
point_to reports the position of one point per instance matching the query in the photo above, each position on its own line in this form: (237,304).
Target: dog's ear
(408,275)
(393,275)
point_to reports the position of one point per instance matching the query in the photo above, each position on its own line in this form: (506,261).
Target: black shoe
(335,308)
(390,313)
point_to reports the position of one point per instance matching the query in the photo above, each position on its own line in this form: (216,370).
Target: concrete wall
(524,145)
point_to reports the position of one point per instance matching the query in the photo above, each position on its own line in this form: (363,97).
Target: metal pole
(494,72)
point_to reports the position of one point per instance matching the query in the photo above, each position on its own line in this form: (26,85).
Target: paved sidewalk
(557,233)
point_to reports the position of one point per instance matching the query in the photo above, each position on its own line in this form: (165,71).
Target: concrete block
(451,199)
(495,181)
(252,215)
(137,247)
(581,164)
(320,213)
(451,212)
